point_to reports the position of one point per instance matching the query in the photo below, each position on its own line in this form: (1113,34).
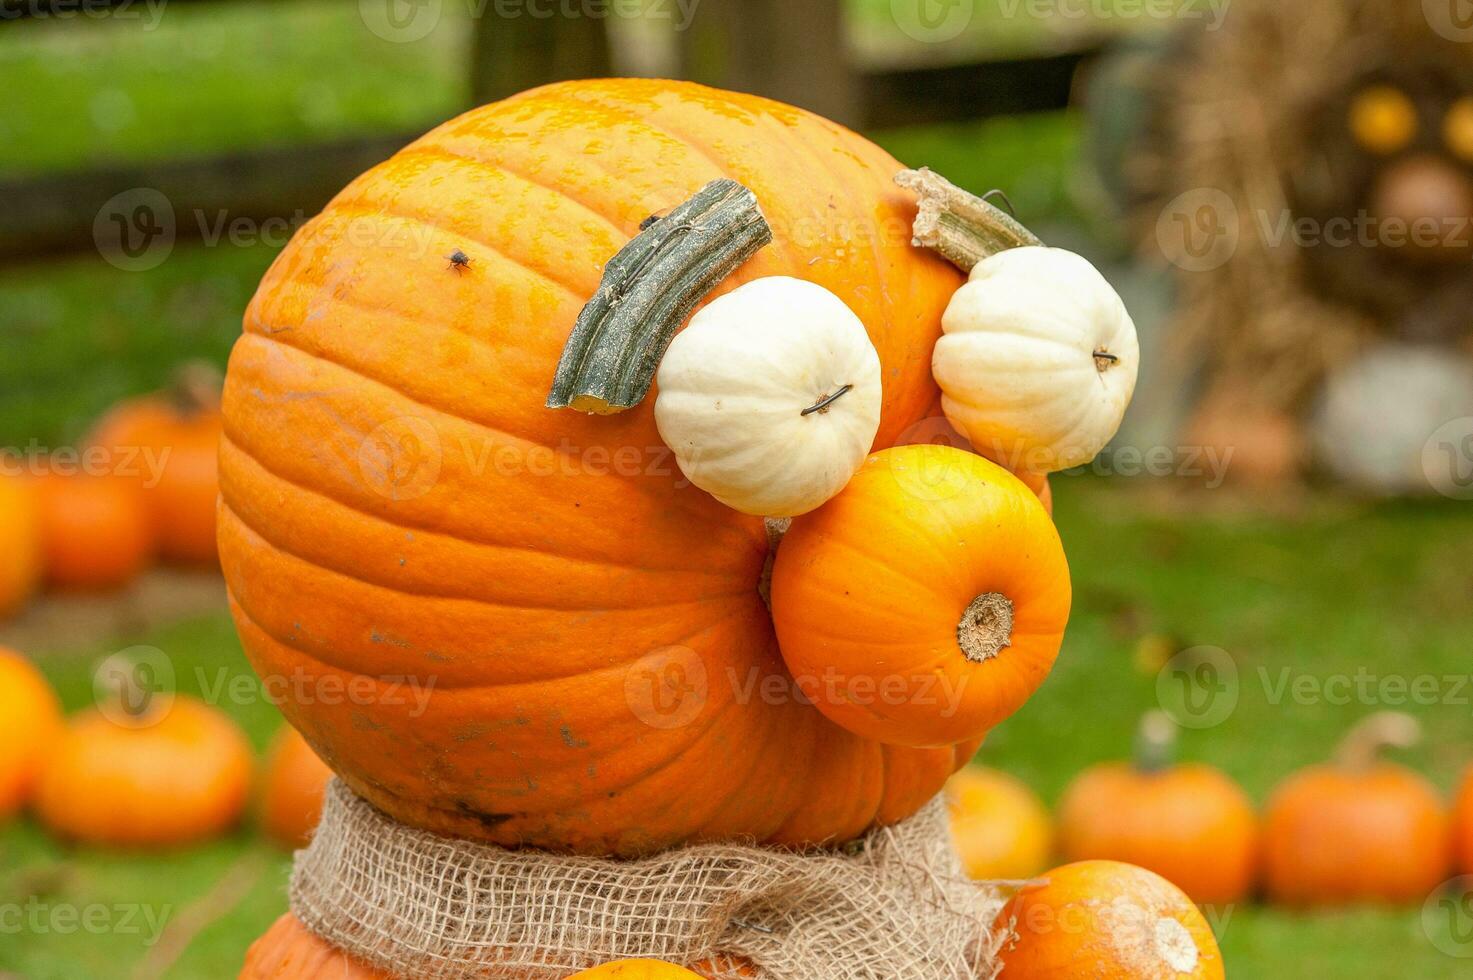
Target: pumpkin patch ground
(700,537)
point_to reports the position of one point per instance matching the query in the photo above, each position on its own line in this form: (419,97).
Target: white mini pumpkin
(770,397)
(1038,359)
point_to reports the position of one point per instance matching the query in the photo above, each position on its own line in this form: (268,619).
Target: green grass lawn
(1326,590)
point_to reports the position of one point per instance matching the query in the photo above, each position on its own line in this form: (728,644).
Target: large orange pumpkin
(30,721)
(926,602)
(1107,921)
(20,543)
(169,445)
(398,503)
(1189,823)
(292,786)
(177,772)
(94,531)
(1359,829)
(290,951)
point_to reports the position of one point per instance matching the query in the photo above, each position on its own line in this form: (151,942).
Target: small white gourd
(1038,359)
(770,397)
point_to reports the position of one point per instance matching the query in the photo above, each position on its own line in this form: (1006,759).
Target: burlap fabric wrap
(893,906)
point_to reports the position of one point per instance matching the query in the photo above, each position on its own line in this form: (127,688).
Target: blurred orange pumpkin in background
(95,532)
(20,543)
(1463,826)
(30,720)
(999,826)
(1359,829)
(1189,823)
(173,772)
(1107,920)
(291,789)
(168,444)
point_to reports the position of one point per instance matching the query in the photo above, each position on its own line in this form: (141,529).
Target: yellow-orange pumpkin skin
(1334,836)
(869,591)
(292,786)
(1106,920)
(172,454)
(999,825)
(20,544)
(290,951)
(179,773)
(30,720)
(397,501)
(636,970)
(1189,823)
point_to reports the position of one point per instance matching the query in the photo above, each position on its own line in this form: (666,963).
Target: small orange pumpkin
(30,720)
(291,951)
(1189,823)
(94,531)
(292,788)
(1107,921)
(20,544)
(999,825)
(1359,829)
(170,445)
(1463,826)
(174,772)
(925,602)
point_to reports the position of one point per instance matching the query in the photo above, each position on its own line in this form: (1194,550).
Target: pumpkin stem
(648,289)
(1363,745)
(1155,742)
(196,388)
(776,528)
(986,627)
(962,227)
(822,405)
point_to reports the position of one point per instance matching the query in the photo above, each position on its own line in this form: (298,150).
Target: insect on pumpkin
(459,261)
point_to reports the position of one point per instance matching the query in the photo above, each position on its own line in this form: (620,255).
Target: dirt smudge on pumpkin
(487,820)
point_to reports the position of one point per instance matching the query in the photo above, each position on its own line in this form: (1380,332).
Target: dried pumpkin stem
(1383,730)
(986,627)
(1155,742)
(823,403)
(962,227)
(647,291)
